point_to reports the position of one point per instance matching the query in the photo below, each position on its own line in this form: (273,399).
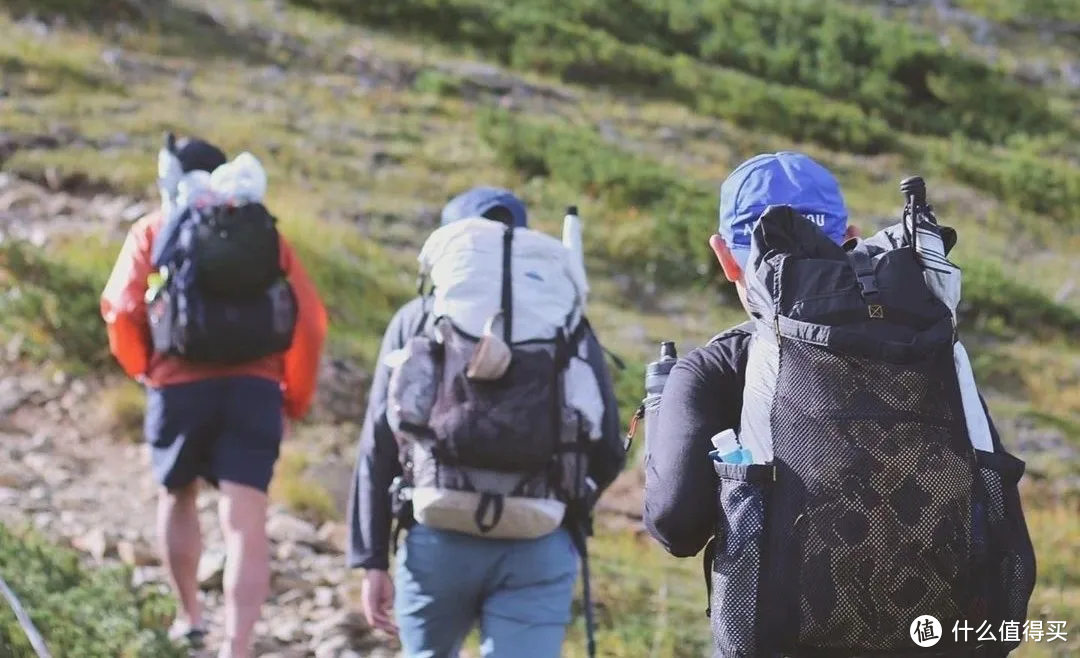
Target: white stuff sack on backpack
(464,262)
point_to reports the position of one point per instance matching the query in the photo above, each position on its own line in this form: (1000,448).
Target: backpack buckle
(867,283)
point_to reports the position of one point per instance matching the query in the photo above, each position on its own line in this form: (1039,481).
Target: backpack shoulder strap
(164,246)
(743,329)
(507,285)
(583,328)
(425,315)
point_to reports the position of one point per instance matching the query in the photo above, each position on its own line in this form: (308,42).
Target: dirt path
(96,495)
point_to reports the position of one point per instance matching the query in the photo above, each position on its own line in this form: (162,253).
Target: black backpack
(875,508)
(224,298)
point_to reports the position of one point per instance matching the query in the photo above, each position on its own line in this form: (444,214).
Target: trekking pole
(590,637)
(914,190)
(36,641)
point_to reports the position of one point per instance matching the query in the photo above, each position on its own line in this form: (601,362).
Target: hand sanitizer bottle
(728,450)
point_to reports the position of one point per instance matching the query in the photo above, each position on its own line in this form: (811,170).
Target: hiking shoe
(182,632)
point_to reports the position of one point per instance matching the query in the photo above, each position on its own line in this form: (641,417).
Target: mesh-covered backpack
(871,507)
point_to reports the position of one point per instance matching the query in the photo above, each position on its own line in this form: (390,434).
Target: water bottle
(656,374)
(572,232)
(571,239)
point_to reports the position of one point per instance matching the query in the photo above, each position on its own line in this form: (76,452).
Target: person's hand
(378,599)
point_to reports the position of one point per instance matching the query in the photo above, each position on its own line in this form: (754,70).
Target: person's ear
(852,232)
(731,268)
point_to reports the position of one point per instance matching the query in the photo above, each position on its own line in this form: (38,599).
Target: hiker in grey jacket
(520,591)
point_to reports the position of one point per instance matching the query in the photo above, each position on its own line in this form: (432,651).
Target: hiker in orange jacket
(223,423)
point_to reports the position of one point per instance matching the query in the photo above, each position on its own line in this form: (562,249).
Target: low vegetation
(1020,12)
(50,307)
(294,487)
(122,409)
(877,68)
(81,612)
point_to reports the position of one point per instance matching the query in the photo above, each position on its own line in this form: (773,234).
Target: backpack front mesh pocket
(742,499)
(881,525)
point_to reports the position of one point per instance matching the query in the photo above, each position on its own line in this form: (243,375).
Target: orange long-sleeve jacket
(123,308)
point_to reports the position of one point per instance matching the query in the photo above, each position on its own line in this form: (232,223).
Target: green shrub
(662,217)
(81,613)
(360,284)
(52,305)
(992,300)
(1024,10)
(527,36)
(859,73)
(1027,181)
(79,10)
(886,67)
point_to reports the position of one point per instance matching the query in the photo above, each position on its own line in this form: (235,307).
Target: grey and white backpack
(493,402)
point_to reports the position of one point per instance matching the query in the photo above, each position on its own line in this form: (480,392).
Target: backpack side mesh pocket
(737,556)
(1006,565)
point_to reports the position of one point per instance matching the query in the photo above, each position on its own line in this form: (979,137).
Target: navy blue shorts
(227,429)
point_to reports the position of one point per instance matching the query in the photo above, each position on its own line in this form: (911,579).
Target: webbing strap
(706,567)
(864,270)
(489,503)
(507,285)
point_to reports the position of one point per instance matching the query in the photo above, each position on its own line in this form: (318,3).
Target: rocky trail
(96,496)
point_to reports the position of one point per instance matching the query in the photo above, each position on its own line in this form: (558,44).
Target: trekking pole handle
(914,190)
(914,187)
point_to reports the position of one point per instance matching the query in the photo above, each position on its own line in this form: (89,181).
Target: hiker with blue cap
(460,447)
(829,457)
(704,390)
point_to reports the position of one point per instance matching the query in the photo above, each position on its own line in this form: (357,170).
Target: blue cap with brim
(480,200)
(786,178)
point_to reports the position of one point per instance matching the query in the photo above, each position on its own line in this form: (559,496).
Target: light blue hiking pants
(518,590)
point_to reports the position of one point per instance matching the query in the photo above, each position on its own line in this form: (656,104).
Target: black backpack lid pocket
(737,555)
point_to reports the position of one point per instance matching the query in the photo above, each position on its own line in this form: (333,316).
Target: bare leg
(247,570)
(181,546)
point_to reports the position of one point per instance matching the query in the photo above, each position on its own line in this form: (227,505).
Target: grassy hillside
(368,116)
